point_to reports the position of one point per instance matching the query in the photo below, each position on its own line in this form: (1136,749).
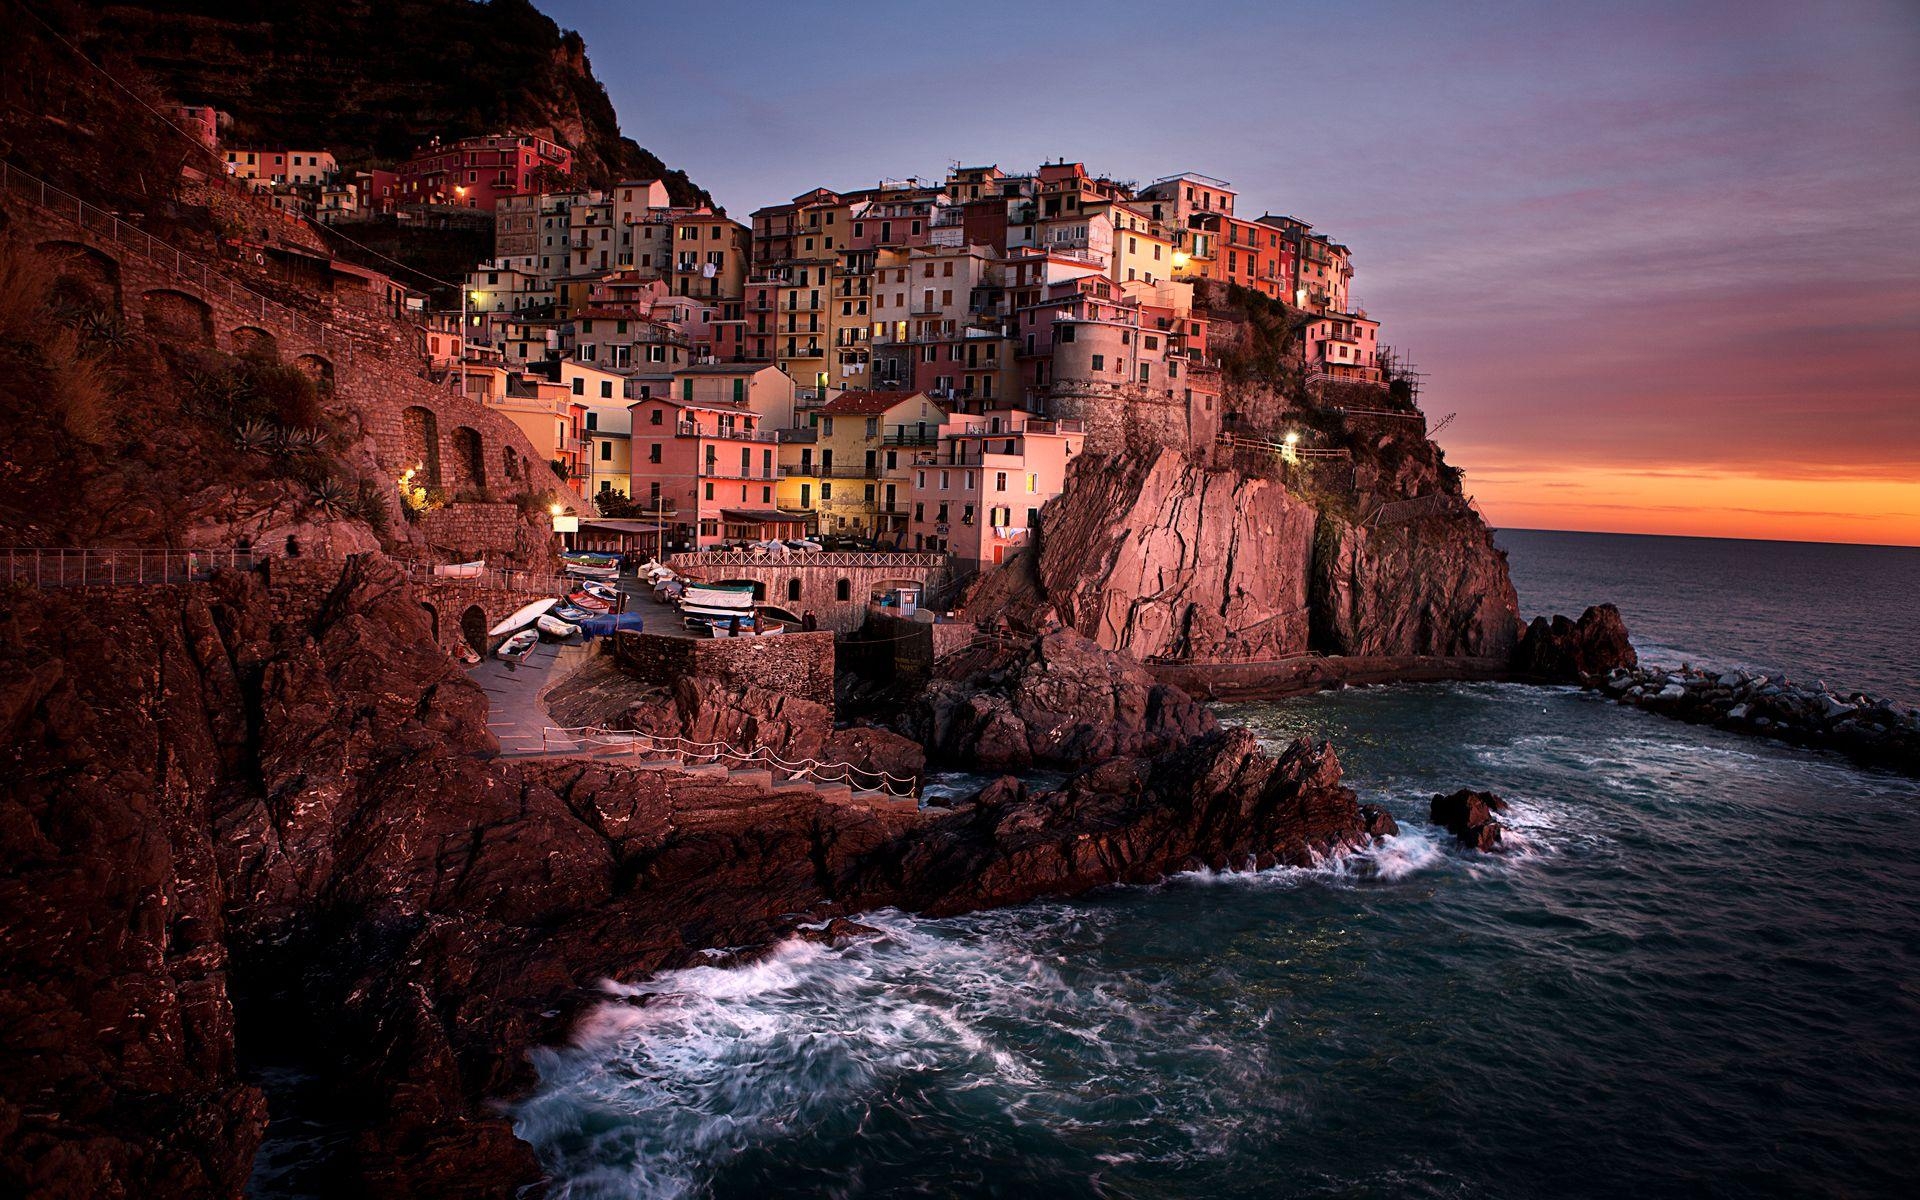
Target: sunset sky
(1662,259)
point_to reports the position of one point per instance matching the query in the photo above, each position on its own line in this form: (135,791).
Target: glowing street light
(1291,450)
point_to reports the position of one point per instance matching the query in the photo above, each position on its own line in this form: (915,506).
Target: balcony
(805,470)
(850,472)
(691,429)
(714,469)
(657,509)
(908,435)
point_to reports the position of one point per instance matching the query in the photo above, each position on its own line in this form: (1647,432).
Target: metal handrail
(176,262)
(112,566)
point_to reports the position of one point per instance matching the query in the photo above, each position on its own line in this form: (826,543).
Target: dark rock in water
(1468,816)
(1584,651)
(1377,821)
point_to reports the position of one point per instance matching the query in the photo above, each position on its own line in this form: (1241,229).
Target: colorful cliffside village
(907,366)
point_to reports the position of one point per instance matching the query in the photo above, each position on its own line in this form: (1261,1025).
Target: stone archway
(510,463)
(433,620)
(254,342)
(176,314)
(473,628)
(82,273)
(469,457)
(318,367)
(420,437)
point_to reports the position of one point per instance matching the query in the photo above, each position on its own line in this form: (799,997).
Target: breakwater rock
(1582,651)
(1867,729)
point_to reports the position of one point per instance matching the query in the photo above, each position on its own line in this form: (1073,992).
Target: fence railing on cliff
(1396,512)
(176,262)
(597,740)
(112,566)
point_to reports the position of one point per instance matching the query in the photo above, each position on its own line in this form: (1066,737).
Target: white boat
(553,626)
(601,591)
(465,570)
(523,617)
(519,645)
(718,595)
(591,570)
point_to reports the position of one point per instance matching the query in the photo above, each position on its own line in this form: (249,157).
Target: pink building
(708,469)
(978,495)
(476,172)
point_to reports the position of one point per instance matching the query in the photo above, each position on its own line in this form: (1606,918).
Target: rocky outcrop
(1469,816)
(1582,651)
(1161,557)
(1061,701)
(1436,586)
(1866,728)
(707,711)
(261,820)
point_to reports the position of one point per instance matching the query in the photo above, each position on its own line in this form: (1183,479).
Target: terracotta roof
(864,403)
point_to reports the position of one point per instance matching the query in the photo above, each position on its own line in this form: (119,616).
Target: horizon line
(1703,537)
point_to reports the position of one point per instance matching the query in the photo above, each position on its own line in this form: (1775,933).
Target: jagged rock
(1063,702)
(1582,651)
(1378,822)
(1468,816)
(1434,587)
(705,710)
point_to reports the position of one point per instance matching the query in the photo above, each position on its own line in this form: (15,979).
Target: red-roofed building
(475,172)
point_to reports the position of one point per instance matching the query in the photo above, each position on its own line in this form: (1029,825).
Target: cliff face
(372,80)
(259,821)
(1154,554)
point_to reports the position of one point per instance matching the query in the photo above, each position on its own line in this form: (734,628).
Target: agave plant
(253,437)
(302,439)
(332,498)
(105,329)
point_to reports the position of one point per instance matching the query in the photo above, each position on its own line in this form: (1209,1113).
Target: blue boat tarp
(607,624)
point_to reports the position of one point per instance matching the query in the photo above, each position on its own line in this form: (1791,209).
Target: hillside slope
(371,80)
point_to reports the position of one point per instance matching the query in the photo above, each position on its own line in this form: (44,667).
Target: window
(709,491)
(1033,482)
(1066,333)
(593,420)
(842,589)
(999,481)
(653,416)
(873,426)
(793,589)
(606,451)
(653,452)
(826,490)
(1099,362)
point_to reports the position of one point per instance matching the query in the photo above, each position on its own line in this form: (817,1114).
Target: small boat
(718,595)
(465,570)
(522,617)
(600,591)
(590,603)
(590,571)
(592,556)
(572,612)
(519,645)
(553,626)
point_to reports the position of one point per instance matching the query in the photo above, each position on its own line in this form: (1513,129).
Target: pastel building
(476,172)
(979,492)
(707,469)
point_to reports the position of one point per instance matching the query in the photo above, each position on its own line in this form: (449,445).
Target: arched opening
(433,620)
(84,277)
(510,462)
(420,439)
(793,588)
(178,315)
(473,627)
(469,461)
(318,368)
(255,342)
(759,588)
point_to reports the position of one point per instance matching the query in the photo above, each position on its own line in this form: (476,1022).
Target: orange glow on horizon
(1639,499)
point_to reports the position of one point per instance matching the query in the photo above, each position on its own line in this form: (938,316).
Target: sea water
(1695,972)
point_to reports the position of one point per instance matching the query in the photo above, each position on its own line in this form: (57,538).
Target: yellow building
(862,459)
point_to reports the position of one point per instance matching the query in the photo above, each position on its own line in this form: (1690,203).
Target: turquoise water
(1696,973)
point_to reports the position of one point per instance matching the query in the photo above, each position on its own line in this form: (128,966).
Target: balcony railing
(720,470)
(690,429)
